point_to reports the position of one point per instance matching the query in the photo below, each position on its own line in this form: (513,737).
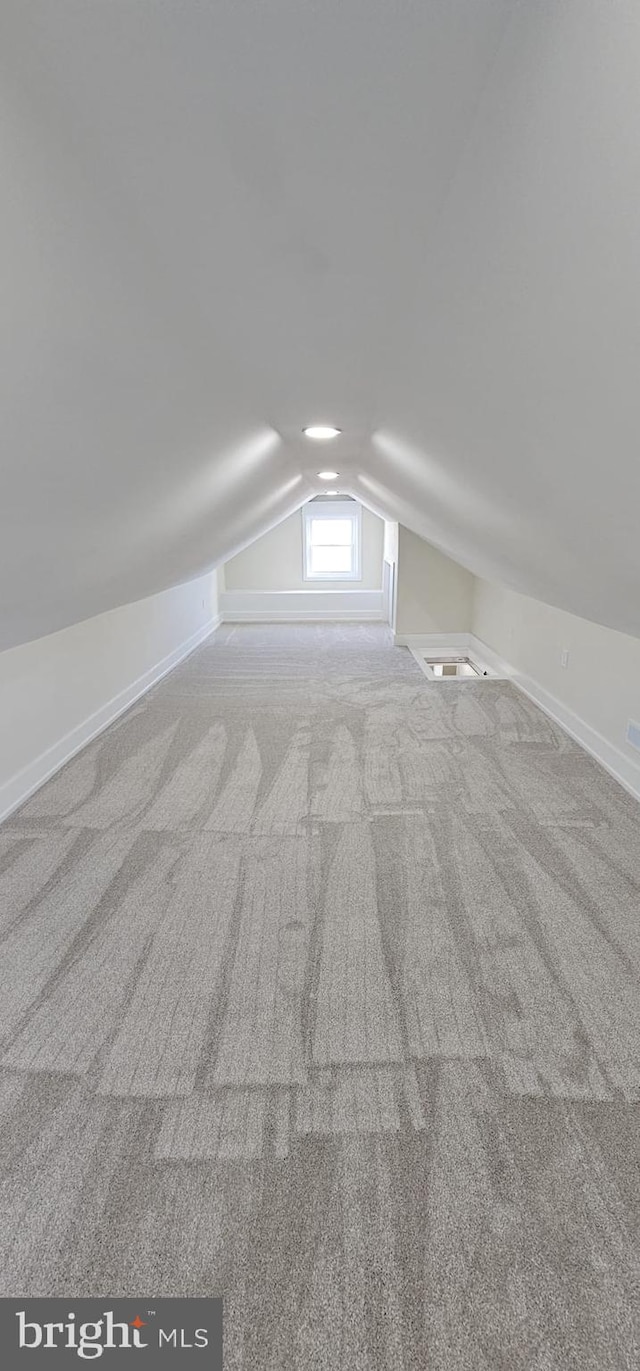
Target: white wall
(390,571)
(433,593)
(600,685)
(57,691)
(274,562)
(391,536)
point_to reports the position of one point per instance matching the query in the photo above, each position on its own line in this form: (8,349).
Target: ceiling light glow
(321,432)
(328,475)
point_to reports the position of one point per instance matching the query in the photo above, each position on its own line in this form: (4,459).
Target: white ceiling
(222,220)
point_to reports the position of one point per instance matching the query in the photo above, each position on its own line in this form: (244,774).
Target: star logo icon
(137,1322)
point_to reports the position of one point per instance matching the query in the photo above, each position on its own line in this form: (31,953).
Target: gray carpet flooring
(320,991)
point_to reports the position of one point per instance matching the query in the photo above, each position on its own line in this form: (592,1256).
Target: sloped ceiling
(419,221)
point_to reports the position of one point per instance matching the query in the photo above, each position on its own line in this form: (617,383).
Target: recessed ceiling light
(332,492)
(321,432)
(328,475)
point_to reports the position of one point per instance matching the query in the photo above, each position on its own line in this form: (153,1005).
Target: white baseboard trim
(296,616)
(20,787)
(496,664)
(301,606)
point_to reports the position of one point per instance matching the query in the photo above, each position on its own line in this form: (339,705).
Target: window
(331,536)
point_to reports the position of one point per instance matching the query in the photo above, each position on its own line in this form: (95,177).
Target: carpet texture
(320,991)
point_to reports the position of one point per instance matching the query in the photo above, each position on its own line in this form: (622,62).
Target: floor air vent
(444,667)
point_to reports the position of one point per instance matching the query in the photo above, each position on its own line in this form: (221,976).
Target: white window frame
(332,509)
